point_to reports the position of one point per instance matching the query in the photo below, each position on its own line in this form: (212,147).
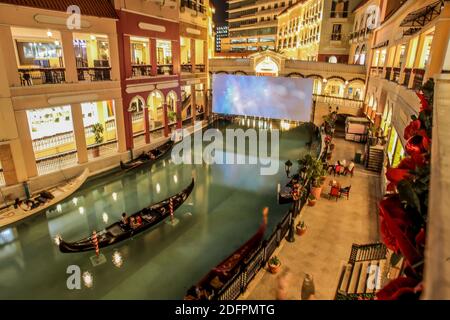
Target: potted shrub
(301,228)
(274,264)
(172,116)
(314,173)
(311,200)
(98,135)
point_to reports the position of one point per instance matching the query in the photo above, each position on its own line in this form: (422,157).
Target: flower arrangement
(403,212)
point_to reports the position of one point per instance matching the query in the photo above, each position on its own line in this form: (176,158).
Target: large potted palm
(315,173)
(98,136)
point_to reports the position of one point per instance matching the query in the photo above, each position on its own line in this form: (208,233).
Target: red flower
(416,145)
(423,101)
(412,129)
(400,288)
(395,175)
(388,238)
(420,239)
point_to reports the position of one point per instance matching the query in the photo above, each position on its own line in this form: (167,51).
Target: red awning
(96,8)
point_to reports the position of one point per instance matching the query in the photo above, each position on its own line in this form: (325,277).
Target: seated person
(133,223)
(138,220)
(124,220)
(337,167)
(143,156)
(350,168)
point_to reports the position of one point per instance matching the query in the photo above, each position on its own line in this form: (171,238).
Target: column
(69,57)
(120,126)
(176,59)
(178,108)
(8,54)
(114,60)
(166,120)
(146,126)
(127,57)
(417,59)
(153,60)
(440,42)
(192,49)
(79,133)
(193,102)
(23,130)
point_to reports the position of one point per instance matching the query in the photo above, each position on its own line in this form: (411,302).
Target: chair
(345,191)
(334,192)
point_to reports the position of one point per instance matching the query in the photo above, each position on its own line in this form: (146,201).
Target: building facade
(253,25)
(221,32)
(85,96)
(316,30)
(57,84)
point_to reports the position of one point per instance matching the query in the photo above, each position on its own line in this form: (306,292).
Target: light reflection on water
(223,211)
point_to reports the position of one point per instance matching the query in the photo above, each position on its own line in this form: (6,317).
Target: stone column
(114,60)
(8,54)
(127,57)
(193,102)
(416,62)
(120,126)
(166,120)
(146,126)
(153,60)
(192,49)
(9,170)
(69,56)
(23,130)
(78,131)
(178,108)
(440,43)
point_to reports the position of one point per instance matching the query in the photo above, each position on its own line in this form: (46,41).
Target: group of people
(131,222)
(341,167)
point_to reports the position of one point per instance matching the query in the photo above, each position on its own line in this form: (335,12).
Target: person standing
(308,288)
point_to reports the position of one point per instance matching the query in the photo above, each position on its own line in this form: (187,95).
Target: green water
(223,211)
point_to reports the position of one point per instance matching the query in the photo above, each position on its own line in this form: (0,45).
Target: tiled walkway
(332,229)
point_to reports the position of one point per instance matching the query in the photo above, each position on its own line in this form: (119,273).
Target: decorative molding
(193,31)
(167,85)
(72,99)
(43,18)
(140,88)
(151,27)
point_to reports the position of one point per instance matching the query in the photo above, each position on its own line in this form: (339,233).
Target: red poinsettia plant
(403,212)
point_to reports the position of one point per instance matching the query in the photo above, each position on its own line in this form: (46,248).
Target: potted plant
(172,116)
(274,264)
(314,173)
(312,200)
(301,228)
(98,136)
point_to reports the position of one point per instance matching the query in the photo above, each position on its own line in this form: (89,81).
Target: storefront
(395,149)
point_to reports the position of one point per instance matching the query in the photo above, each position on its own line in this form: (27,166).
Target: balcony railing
(418,78)
(53,141)
(186,68)
(396,74)
(340,101)
(193,5)
(336,37)
(165,69)
(200,68)
(388,73)
(94,74)
(407,77)
(36,76)
(141,70)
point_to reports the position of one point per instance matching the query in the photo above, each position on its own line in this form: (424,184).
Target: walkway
(332,229)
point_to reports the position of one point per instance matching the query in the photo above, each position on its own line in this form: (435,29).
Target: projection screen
(271,97)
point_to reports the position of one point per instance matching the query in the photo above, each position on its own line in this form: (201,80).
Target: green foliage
(275,261)
(172,115)
(313,168)
(301,225)
(311,197)
(98,132)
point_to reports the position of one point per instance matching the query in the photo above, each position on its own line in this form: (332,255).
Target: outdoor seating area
(341,167)
(337,191)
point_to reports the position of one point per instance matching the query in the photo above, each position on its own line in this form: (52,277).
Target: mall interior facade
(136,70)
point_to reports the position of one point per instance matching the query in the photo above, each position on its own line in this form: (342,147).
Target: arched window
(362,55)
(332,59)
(356,56)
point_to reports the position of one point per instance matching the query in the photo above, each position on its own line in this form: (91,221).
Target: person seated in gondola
(125,222)
(133,223)
(138,220)
(144,156)
(151,155)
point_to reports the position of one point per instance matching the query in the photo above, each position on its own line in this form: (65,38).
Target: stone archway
(267,67)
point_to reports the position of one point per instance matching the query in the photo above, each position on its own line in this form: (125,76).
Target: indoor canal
(222,212)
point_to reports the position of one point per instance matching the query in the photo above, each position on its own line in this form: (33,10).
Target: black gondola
(285,197)
(151,216)
(149,157)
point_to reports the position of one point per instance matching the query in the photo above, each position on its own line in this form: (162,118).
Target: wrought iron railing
(94,74)
(186,68)
(36,76)
(165,69)
(141,70)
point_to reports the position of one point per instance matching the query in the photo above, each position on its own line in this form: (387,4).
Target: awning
(411,31)
(381,44)
(422,16)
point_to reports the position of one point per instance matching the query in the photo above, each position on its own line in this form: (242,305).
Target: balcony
(193,5)
(141,70)
(94,74)
(37,76)
(396,74)
(407,77)
(165,69)
(336,37)
(200,68)
(186,68)
(418,78)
